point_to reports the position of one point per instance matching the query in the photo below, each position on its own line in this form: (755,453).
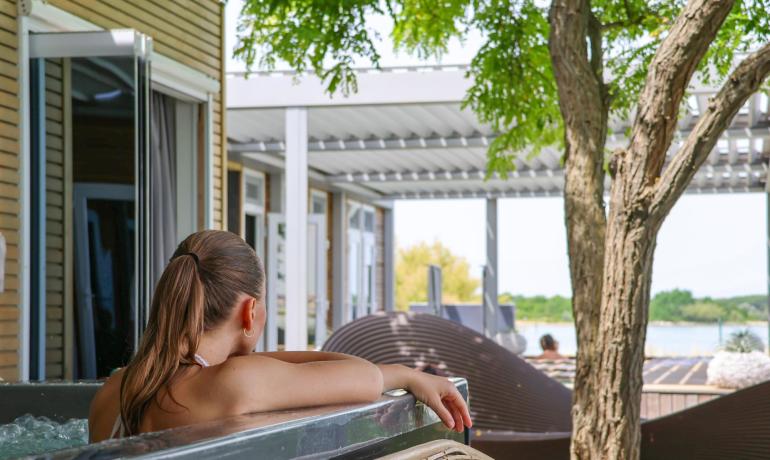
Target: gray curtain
(163,183)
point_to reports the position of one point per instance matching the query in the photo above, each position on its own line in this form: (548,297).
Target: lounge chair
(443,449)
(539,404)
(519,412)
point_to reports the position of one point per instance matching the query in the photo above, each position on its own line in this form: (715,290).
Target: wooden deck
(657,371)
(670,384)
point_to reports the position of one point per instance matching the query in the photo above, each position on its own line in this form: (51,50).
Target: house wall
(9,189)
(55,185)
(192,34)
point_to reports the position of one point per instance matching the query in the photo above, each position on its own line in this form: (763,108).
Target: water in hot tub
(34,435)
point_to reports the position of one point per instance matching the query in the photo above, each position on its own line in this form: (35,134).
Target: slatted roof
(404,135)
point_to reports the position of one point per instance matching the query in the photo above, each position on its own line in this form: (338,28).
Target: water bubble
(34,435)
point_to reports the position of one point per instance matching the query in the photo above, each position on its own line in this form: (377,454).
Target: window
(369,220)
(318,201)
(234,201)
(98,203)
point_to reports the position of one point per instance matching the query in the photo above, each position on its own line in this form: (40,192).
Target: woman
(195,360)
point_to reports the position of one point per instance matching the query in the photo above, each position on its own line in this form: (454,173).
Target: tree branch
(597,52)
(744,81)
(667,79)
(578,78)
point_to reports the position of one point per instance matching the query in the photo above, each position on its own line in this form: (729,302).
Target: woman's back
(190,389)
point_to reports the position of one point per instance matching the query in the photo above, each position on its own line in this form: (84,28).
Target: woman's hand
(442,396)
(437,392)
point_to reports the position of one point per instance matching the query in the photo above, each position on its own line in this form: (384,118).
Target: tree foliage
(458,285)
(666,305)
(677,305)
(680,305)
(556,309)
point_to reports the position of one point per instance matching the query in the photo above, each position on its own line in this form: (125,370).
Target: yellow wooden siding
(9,190)
(55,185)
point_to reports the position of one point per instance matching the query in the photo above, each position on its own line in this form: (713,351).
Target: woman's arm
(259,383)
(288,380)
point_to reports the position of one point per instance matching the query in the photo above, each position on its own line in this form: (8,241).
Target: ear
(247,312)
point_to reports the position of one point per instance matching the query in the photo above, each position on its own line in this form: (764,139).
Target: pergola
(405,135)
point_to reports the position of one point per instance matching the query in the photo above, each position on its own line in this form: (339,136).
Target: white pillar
(296,228)
(389,276)
(490,271)
(341,312)
(767,241)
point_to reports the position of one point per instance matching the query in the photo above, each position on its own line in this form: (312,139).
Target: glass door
(368,282)
(317,303)
(106,144)
(253,200)
(276,282)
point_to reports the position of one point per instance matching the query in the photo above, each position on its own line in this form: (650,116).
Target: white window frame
(168,75)
(367,241)
(369,247)
(254,208)
(186,121)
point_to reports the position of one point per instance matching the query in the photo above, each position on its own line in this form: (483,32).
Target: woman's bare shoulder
(248,364)
(104,407)
(233,381)
(236,368)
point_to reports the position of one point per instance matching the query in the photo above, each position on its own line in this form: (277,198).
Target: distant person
(550,348)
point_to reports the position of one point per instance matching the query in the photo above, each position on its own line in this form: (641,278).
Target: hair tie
(191,254)
(194,256)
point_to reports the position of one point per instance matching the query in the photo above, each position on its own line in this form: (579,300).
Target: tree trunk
(585,220)
(611,262)
(613,421)
(634,220)
(583,103)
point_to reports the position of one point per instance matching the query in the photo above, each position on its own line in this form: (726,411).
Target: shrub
(744,341)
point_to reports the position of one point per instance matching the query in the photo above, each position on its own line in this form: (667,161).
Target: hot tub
(393,423)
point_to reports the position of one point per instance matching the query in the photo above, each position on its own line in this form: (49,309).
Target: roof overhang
(405,134)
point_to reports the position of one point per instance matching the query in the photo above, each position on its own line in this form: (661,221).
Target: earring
(248,335)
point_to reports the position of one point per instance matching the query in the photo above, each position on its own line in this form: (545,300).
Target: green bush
(541,308)
(667,305)
(702,312)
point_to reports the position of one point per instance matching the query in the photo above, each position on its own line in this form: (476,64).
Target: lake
(662,339)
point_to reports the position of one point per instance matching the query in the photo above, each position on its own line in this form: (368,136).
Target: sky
(713,245)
